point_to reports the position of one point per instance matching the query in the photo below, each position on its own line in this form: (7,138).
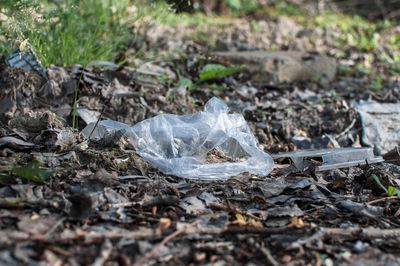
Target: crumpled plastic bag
(178,145)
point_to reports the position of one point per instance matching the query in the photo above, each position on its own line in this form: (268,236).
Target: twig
(98,120)
(25,203)
(252,216)
(165,200)
(121,205)
(360,233)
(105,253)
(261,230)
(132,177)
(382,199)
(265,251)
(59,251)
(165,240)
(54,227)
(150,234)
(213,245)
(268,256)
(347,129)
(217,206)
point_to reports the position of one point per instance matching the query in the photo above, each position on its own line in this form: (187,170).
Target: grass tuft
(67,32)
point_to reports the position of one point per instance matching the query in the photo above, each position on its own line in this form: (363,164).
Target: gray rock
(282,66)
(380,124)
(301,142)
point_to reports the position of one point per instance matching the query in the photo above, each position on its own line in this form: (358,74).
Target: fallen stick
(346,130)
(105,253)
(150,234)
(165,240)
(360,233)
(381,199)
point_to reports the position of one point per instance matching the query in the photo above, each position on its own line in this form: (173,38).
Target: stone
(380,124)
(282,66)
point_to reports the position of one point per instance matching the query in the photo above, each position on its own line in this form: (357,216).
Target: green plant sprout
(391,191)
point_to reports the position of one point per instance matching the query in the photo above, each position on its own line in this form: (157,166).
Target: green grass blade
(379,182)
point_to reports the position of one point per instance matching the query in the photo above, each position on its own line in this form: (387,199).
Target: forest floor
(67,200)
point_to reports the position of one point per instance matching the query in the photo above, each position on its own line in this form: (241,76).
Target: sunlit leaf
(185,82)
(296,222)
(212,71)
(255,223)
(392,191)
(239,220)
(239,216)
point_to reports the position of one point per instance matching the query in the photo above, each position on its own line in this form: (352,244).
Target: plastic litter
(332,158)
(178,145)
(88,116)
(25,57)
(103,128)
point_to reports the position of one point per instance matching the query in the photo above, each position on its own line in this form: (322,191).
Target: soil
(103,204)
(217,156)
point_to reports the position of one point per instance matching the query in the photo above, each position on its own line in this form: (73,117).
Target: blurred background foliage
(73,31)
(66,32)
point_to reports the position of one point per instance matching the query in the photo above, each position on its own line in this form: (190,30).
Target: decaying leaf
(164,223)
(33,172)
(239,220)
(297,222)
(15,143)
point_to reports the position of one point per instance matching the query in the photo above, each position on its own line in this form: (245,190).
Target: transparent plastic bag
(178,145)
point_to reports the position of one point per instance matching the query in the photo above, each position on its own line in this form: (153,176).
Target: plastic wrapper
(178,145)
(25,57)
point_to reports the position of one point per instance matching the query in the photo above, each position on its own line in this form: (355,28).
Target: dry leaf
(297,222)
(164,223)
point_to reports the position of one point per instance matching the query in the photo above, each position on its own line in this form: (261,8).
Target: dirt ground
(103,204)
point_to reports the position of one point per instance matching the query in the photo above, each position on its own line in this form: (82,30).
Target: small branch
(382,199)
(54,227)
(347,129)
(97,122)
(105,253)
(261,230)
(150,234)
(165,240)
(268,256)
(264,250)
(360,233)
(165,200)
